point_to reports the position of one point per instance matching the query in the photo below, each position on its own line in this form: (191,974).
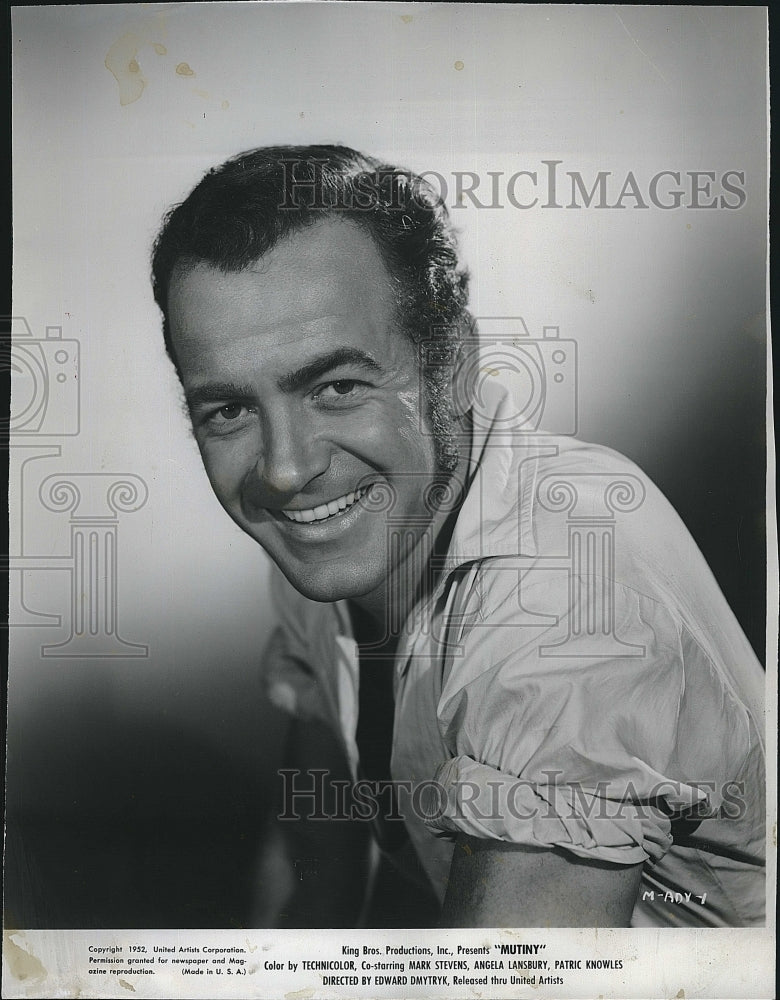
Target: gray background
(155,771)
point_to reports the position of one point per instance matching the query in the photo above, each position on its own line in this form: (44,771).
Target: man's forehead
(328,247)
(333,267)
(324,287)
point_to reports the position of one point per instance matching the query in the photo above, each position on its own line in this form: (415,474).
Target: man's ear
(465,374)
(462,380)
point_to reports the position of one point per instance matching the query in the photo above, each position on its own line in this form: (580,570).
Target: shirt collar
(496,517)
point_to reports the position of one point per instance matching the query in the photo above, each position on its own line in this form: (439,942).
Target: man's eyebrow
(315,369)
(218,392)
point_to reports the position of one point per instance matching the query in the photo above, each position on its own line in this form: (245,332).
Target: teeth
(324,510)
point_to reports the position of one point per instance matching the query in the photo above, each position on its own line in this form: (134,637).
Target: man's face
(302,387)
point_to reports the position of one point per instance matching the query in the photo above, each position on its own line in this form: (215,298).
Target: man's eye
(226,418)
(340,389)
(232,411)
(343,387)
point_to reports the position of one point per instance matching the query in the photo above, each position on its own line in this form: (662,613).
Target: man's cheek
(224,475)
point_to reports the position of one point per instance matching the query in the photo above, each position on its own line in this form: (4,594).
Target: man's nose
(291,455)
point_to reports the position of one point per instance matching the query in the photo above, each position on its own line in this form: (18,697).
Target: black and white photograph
(392,553)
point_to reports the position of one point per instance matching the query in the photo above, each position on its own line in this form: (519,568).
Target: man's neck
(379,617)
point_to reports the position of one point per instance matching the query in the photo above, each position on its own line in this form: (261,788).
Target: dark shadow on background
(149,827)
(716,480)
(132,821)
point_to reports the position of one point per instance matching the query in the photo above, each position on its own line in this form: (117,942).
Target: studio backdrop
(606,169)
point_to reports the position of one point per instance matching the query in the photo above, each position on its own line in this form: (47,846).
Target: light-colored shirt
(575,680)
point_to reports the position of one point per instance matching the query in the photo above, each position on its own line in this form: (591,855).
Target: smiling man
(532,719)
(304,395)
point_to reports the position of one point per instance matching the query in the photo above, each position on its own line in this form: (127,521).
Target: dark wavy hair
(243,208)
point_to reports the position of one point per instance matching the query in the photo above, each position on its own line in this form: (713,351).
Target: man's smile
(324,511)
(307,402)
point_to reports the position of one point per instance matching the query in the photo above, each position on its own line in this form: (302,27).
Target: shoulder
(570,504)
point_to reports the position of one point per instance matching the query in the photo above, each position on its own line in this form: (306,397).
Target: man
(509,641)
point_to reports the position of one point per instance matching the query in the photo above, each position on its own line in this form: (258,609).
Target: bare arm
(495,884)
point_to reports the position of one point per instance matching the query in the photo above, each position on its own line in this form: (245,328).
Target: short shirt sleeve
(557,743)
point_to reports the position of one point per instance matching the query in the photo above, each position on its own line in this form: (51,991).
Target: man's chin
(326,586)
